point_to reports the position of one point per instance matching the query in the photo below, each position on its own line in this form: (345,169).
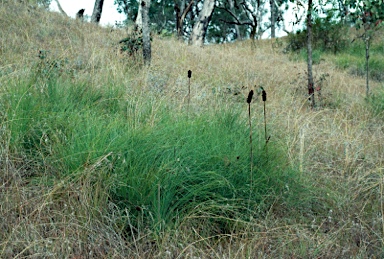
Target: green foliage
(328,35)
(161,13)
(368,13)
(43,3)
(316,55)
(132,44)
(352,59)
(220,29)
(49,67)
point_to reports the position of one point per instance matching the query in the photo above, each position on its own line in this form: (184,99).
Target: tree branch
(186,10)
(60,8)
(230,13)
(237,22)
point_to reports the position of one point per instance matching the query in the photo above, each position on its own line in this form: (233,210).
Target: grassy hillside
(102,157)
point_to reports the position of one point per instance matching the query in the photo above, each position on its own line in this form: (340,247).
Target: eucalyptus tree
(276,15)
(129,8)
(181,13)
(245,13)
(201,25)
(217,21)
(225,25)
(161,14)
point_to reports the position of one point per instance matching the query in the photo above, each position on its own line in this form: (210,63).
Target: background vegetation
(102,157)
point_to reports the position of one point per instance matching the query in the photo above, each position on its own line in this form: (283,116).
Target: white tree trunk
(139,18)
(200,28)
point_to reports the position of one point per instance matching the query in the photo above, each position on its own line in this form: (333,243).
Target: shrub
(132,44)
(328,35)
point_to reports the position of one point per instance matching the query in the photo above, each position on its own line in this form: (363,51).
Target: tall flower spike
(189,73)
(264,95)
(250,95)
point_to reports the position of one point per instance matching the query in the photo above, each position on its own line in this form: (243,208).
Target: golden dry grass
(339,147)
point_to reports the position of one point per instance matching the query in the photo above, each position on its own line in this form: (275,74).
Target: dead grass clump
(48,219)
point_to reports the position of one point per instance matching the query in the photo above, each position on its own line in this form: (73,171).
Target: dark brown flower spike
(264,95)
(250,95)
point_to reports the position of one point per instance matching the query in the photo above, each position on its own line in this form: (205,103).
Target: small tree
(367,14)
(311,90)
(311,10)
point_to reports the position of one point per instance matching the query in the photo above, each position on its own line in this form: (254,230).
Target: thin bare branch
(60,8)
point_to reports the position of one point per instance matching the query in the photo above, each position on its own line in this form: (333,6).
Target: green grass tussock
(164,164)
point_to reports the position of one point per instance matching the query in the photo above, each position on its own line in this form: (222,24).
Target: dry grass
(339,148)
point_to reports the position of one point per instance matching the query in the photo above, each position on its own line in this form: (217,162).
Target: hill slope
(102,157)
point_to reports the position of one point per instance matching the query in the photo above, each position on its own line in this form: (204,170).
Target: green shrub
(316,55)
(327,35)
(133,43)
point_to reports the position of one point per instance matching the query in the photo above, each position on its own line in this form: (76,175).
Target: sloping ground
(338,148)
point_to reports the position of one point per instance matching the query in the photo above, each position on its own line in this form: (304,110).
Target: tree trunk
(179,25)
(145,4)
(200,28)
(259,18)
(97,10)
(237,27)
(273,18)
(367,45)
(311,91)
(180,17)
(139,19)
